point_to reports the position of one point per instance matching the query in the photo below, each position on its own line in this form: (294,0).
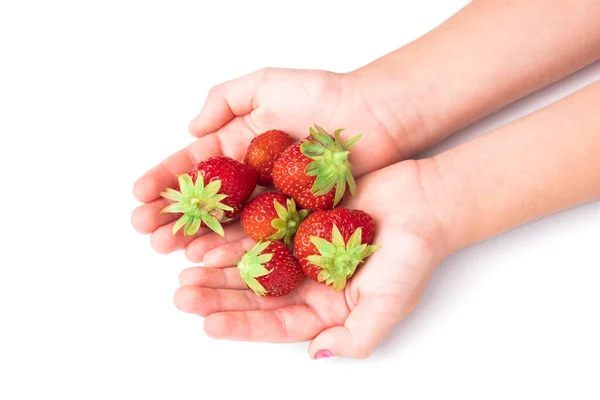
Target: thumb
(365,328)
(226,101)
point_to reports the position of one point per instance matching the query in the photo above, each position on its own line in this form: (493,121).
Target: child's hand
(291,100)
(350,323)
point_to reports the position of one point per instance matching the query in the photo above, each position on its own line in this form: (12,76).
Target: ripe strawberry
(215,191)
(270,269)
(316,170)
(330,244)
(262,152)
(272,216)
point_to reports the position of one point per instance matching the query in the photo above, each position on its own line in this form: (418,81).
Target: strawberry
(330,244)
(316,170)
(270,269)
(215,191)
(262,152)
(272,216)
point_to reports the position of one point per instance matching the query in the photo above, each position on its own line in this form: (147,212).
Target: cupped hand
(238,110)
(348,323)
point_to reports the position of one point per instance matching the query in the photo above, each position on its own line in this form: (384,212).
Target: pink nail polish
(323,354)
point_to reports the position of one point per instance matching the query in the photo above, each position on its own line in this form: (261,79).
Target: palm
(387,286)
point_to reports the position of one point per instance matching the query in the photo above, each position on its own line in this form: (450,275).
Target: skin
(403,103)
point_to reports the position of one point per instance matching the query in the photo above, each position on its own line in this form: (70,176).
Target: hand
(236,111)
(349,323)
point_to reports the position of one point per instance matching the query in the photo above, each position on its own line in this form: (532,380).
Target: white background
(94,93)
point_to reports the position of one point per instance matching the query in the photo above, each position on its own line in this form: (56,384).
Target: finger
(288,324)
(365,328)
(197,249)
(205,301)
(147,217)
(216,278)
(228,254)
(225,101)
(163,240)
(164,175)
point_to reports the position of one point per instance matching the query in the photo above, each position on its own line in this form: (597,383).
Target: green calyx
(198,203)
(330,162)
(339,260)
(288,221)
(251,266)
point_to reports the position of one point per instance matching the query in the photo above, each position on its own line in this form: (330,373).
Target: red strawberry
(272,216)
(331,244)
(316,170)
(215,191)
(270,269)
(262,152)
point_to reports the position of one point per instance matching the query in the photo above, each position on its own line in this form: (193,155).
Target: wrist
(448,199)
(432,218)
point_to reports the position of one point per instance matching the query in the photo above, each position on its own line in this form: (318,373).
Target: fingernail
(323,354)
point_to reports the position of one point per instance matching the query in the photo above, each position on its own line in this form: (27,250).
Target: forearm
(535,166)
(486,56)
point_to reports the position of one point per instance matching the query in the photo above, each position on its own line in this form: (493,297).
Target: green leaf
(355,239)
(192,226)
(324,134)
(320,135)
(173,208)
(351,183)
(280,234)
(186,185)
(339,284)
(312,167)
(213,224)
(323,184)
(264,258)
(336,237)
(254,269)
(340,189)
(278,223)
(180,222)
(318,260)
(199,182)
(352,141)
(302,213)
(338,139)
(370,250)
(311,150)
(171,194)
(323,276)
(325,248)
(219,197)
(255,286)
(258,248)
(224,207)
(291,206)
(282,212)
(212,189)
(251,267)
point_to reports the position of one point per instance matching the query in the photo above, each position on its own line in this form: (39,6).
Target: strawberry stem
(198,204)
(251,266)
(339,260)
(288,221)
(330,164)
